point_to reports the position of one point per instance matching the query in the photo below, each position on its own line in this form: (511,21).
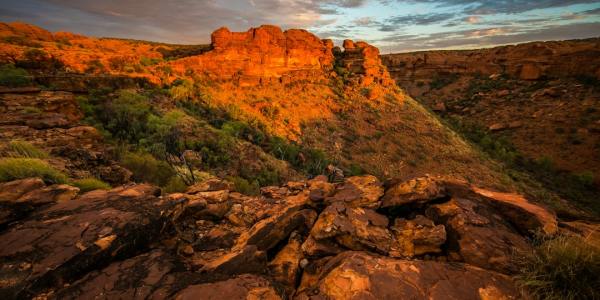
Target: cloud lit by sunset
(393,25)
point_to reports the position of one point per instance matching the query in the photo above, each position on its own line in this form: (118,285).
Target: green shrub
(566,267)
(25,149)
(443,81)
(183,91)
(175,185)
(95,66)
(90,184)
(12,76)
(146,61)
(244,186)
(38,59)
(586,178)
(127,116)
(146,168)
(20,168)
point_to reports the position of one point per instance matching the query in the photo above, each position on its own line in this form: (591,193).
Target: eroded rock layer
(304,240)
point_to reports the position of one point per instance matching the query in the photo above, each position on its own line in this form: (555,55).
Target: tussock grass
(14,168)
(565,267)
(25,150)
(90,184)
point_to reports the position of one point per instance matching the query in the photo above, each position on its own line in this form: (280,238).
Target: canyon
(269,164)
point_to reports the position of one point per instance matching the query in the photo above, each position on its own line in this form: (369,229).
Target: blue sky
(392,25)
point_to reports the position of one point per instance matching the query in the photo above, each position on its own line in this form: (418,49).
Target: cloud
(394,23)
(177,21)
(477,38)
(364,21)
(472,19)
(485,7)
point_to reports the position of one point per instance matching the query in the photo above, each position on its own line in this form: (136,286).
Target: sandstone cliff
(529,61)
(541,96)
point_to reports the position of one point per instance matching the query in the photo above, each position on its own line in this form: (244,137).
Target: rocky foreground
(426,238)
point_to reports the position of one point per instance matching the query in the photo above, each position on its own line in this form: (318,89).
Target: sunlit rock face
(263,55)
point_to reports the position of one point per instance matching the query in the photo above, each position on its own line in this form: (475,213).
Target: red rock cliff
(262,55)
(363,59)
(529,61)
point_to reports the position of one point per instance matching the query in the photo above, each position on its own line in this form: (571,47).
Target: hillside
(540,100)
(287,84)
(269,164)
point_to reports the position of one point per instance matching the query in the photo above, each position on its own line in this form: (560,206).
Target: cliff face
(530,61)
(542,96)
(262,55)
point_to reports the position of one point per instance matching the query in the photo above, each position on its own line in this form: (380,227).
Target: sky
(392,25)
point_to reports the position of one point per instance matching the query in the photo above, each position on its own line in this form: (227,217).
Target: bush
(183,91)
(20,168)
(12,76)
(146,168)
(90,184)
(40,60)
(127,116)
(244,186)
(25,149)
(175,185)
(566,267)
(95,66)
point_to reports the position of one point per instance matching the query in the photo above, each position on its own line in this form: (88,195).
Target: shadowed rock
(359,275)
(242,287)
(60,243)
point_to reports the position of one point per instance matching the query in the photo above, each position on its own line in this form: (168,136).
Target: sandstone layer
(306,241)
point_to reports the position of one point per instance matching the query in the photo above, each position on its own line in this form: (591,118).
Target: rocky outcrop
(531,61)
(359,275)
(63,241)
(363,60)
(267,55)
(262,55)
(52,121)
(439,238)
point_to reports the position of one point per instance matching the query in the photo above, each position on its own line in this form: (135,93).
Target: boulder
(67,239)
(477,234)
(359,191)
(418,190)
(141,277)
(285,267)
(13,190)
(50,194)
(417,237)
(243,287)
(358,275)
(353,227)
(210,185)
(528,217)
(248,259)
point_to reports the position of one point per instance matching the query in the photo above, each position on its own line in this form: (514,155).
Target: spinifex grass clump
(25,149)
(90,184)
(19,168)
(565,267)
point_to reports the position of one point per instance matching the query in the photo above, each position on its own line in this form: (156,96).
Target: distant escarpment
(531,61)
(535,106)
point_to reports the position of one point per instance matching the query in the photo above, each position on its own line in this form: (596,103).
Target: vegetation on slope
(564,267)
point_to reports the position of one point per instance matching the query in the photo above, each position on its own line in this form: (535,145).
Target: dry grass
(20,168)
(565,267)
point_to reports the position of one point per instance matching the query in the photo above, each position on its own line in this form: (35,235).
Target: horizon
(394,26)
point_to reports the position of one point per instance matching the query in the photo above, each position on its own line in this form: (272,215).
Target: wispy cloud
(397,25)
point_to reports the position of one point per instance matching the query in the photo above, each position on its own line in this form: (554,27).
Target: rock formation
(363,60)
(310,239)
(529,61)
(262,55)
(542,97)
